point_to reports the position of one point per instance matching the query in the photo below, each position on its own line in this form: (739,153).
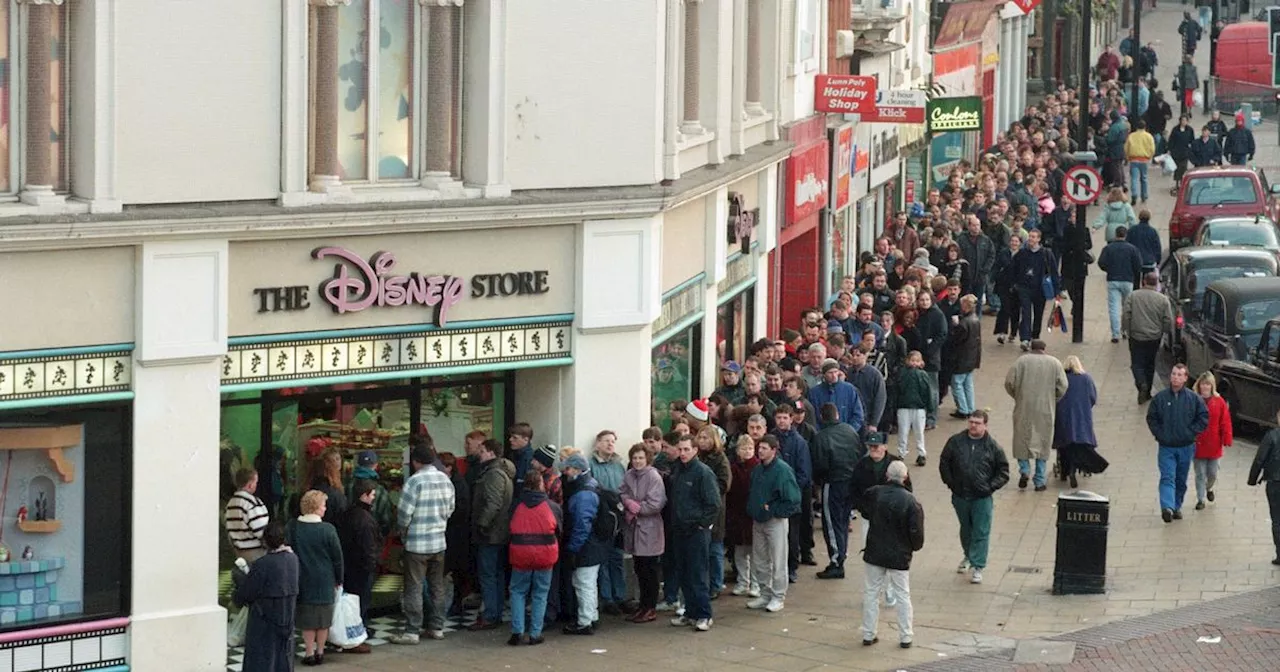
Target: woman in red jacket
(1211,441)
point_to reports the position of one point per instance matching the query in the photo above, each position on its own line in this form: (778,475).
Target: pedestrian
(643,495)
(585,549)
(1239,144)
(1180,140)
(520,451)
(830,388)
(319,573)
(1073,435)
(914,400)
(384,508)
(1036,270)
(738,524)
(1036,382)
(794,450)
(711,453)
(326,476)
(966,350)
(458,556)
(1009,312)
(361,544)
(695,506)
(973,467)
(1186,82)
(933,328)
(491,528)
(246,517)
(836,448)
(1122,263)
(1139,147)
(773,500)
(534,549)
(1176,416)
(1206,150)
(1116,214)
(869,383)
(1266,467)
(896,533)
(607,468)
(1212,440)
(1147,317)
(270,592)
(1147,240)
(868,472)
(1190,31)
(426,505)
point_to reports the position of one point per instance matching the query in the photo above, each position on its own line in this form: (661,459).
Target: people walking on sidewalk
(896,533)
(1175,417)
(1206,150)
(836,448)
(1036,270)
(973,467)
(1036,382)
(1239,145)
(1180,140)
(913,403)
(1139,147)
(1115,214)
(1266,467)
(1123,265)
(1186,84)
(1073,435)
(1190,30)
(1210,442)
(1009,310)
(773,500)
(1147,240)
(966,348)
(1147,317)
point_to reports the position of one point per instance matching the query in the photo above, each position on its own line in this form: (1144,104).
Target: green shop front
(360,343)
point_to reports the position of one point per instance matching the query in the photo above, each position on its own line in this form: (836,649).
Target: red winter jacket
(534,541)
(1218,434)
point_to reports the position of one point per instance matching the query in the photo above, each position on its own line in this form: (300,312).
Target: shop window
(54,462)
(733,327)
(840,260)
(19,75)
(675,373)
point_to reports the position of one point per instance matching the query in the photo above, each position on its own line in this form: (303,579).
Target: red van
(1243,55)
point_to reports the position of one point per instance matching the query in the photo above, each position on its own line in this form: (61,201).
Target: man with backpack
(585,551)
(695,506)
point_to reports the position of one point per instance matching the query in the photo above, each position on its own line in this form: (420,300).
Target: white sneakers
(703,625)
(700,625)
(774,606)
(758,603)
(679,621)
(964,566)
(976,577)
(667,606)
(407,638)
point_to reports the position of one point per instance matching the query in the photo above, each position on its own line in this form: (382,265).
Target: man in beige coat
(1036,382)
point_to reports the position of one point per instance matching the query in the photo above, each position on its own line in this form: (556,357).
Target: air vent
(844,43)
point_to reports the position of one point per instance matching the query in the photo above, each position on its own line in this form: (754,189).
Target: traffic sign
(1082,185)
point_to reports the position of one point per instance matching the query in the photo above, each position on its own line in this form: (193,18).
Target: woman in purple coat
(643,494)
(1073,435)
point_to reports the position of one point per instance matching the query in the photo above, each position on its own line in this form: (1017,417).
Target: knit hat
(546,455)
(576,461)
(829,364)
(366,458)
(698,410)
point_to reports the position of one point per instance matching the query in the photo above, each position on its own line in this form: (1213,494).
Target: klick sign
(955,114)
(358,284)
(849,94)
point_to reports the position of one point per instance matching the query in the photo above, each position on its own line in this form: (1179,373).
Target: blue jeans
(1138,171)
(1174,463)
(715,566)
(521,581)
(1117,292)
(613,585)
(962,390)
(1024,468)
(489,557)
(670,576)
(692,551)
(991,295)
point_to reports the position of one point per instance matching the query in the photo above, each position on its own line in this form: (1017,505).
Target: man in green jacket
(694,498)
(836,448)
(773,498)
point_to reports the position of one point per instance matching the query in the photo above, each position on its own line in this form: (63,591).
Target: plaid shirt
(426,503)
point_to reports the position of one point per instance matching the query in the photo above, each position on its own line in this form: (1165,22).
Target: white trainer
(703,624)
(977,576)
(775,605)
(963,567)
(758,603)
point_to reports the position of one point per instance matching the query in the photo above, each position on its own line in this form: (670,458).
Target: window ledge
(384,193)
(687,142)
(57,205)
(751,120)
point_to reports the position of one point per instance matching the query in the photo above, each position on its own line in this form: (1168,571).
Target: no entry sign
(1082,185)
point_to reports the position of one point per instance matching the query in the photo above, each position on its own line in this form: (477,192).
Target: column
(1021,27)
(692,68)
(484,98)
(440,17)
(325,96)
(37,186)
(1004,80)
(754,107)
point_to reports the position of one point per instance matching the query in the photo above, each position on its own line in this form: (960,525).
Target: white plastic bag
(347,630)
(1197,98)
(237,626)
(1166,163)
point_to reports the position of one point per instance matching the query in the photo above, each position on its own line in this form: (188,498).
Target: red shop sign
(909,192)
(843,162)
(808,179)
(849,94)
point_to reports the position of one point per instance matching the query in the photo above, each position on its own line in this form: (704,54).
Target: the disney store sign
(358,284)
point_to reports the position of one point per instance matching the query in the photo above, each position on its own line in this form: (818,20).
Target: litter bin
(1080,567)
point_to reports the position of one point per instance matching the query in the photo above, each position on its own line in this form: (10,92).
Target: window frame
(18,34)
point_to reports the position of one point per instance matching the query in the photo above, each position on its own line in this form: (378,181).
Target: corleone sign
(850,94)
(357,284)
(955,114)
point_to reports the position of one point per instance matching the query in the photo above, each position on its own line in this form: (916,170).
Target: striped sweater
(246,518)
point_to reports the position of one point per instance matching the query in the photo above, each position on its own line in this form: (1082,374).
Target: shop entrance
(279,431)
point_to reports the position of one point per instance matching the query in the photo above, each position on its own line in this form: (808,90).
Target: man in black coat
(932,326)
(1122,262)
(836,448)
(966,355)
(973,466)
(1205,150)
(895,534)
(980,252)
(1180,139)
(1077,241)
(1035,272)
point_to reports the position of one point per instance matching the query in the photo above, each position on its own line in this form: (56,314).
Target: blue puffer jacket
(1176,418)
(844,396)
(795,452)
(584,503)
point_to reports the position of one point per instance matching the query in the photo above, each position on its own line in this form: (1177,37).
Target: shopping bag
(1059,317)
(347,630)
(237,626)
(1197,98)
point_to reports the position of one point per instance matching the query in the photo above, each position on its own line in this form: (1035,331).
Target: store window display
(674,372)
(733,327)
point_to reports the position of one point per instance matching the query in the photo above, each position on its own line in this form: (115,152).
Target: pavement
(1168,585)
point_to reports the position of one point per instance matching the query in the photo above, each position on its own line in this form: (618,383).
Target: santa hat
(697,409)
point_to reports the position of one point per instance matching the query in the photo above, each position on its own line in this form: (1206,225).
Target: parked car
(1256,231)
(1220,191)
(1252,387)
(1233,314)
(1186,273)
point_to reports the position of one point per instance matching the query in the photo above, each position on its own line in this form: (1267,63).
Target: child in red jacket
(1210,442)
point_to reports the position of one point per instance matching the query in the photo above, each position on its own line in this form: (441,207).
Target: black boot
(833,571)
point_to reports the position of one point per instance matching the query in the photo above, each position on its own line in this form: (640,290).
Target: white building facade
(249,236)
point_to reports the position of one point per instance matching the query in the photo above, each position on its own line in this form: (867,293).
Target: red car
(1224,191)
